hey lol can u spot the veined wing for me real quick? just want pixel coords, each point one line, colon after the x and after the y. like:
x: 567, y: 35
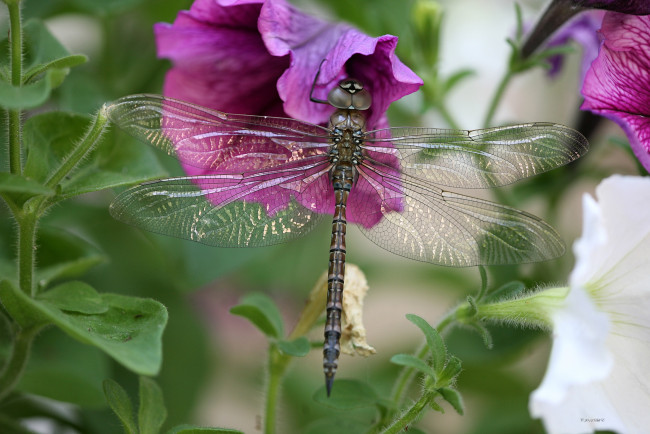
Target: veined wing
x: 478, y: 158
x: 214, y: 140
x: 450, y: 229
x: 229, y: 210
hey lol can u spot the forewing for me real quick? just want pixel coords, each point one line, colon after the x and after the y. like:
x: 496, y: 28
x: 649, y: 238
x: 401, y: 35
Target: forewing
x: 238, y: 210
x: 480, y: 158
x: 214, y: 140
x: 451, y: 229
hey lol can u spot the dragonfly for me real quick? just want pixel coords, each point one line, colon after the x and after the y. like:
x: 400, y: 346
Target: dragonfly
x: 260, y: 180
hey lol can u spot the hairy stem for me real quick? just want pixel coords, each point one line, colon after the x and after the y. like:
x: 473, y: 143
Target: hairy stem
x: 80, y: 150
x: 26, y: 247
x: 16, y: 59
x: 13, y: 369
x: 411, y: 415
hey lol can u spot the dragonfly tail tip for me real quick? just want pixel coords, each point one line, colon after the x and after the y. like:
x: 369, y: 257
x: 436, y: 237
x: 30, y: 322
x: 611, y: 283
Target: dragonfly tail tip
x: 329, y: 382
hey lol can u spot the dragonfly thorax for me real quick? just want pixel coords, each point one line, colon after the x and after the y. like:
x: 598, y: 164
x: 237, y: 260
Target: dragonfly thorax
x: 347, y: 133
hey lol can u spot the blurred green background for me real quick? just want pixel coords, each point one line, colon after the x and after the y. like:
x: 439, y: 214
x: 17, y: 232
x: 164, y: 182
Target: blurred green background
x: 214, y: 362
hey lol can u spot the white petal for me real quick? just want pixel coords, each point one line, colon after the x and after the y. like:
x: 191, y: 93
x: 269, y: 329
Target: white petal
x: 579, y: 393
x: 616, y: 230
x: 579, y: 355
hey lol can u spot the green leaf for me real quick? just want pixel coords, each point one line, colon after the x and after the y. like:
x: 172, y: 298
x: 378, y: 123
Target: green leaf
x: 63, y: 369
x: 130, y: 330
x: 75, y: 297
x: 18, y: 307
x: 451, y: 371
x: 453, y: 397
x: 41, y: 49
x: 120, y: 403
x: 298, y: 347
x: 263, y: 313
x: 29, y: 95
x: 508, y: 291
x: 152, y: 412
x: 11, y: 183
x: 454, y: 79
x: 191, y: 429
x: 434, y: 341
x: 40, y: 45
x: 64, y: 255
x: 413, y: 362
x: 116, y: 161
x: 483, y: 332
x: 49, y: 138
x: 347, y: 395
x: 61, y: 63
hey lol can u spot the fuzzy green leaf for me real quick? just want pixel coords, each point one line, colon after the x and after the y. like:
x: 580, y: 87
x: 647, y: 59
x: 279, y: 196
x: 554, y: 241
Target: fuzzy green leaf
x: 75, y: 297
x: 453, y: 397
x: 298, y: 347
x: 152, y: 412
x: 10, y: 183
x: 413, y: 362
x: 61, y: 63
x: 121, y: 405
x: 116, y: 161
x: 434, y: 342
x: 29, y: 95
x: 64, y: 255
x: 263, y: 313
x: 130, y: 330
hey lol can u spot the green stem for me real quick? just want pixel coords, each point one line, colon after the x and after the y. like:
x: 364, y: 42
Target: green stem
x: 496, y: 99
x: 278, y: 364
x: 407, y: 375
x: 17, y: 360
x: 411, y: 415
x: 26, y: 245
x: 16, y: 59
x: 80, y: 150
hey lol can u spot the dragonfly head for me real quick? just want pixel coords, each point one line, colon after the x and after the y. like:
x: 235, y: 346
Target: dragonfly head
x: 350, y: 94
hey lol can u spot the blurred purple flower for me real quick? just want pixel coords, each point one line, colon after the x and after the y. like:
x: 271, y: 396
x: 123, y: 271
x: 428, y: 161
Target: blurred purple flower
x: 582, y: 29
x: 260, y: 57
x: 559, y: 12
x: 617, y: 84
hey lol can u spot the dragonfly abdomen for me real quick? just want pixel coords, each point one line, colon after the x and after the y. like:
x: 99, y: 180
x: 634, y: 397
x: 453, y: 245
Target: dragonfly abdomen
x: 342, y: 178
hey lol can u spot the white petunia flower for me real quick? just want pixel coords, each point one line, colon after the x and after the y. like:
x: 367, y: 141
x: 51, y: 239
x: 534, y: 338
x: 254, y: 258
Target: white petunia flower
x: 598, y: 376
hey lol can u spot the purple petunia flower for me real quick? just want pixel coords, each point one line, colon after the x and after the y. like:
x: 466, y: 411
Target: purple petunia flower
x: 260, y: 57
x: 582, y: 29
x: 559, y: 12
x: 618, y: 84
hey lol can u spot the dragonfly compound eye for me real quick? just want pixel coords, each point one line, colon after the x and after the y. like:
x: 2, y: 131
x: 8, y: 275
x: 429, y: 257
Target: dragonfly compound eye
x: 350, y: 94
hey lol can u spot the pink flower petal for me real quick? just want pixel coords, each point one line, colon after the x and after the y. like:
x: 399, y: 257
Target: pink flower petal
x: 617, y: 85
x: 261, y: 57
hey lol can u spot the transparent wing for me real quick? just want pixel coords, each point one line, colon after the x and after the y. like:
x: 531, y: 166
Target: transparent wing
x: 210, y: 139
x: 479, y: 158
x: 237, y: 210
x: 432, y: 225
